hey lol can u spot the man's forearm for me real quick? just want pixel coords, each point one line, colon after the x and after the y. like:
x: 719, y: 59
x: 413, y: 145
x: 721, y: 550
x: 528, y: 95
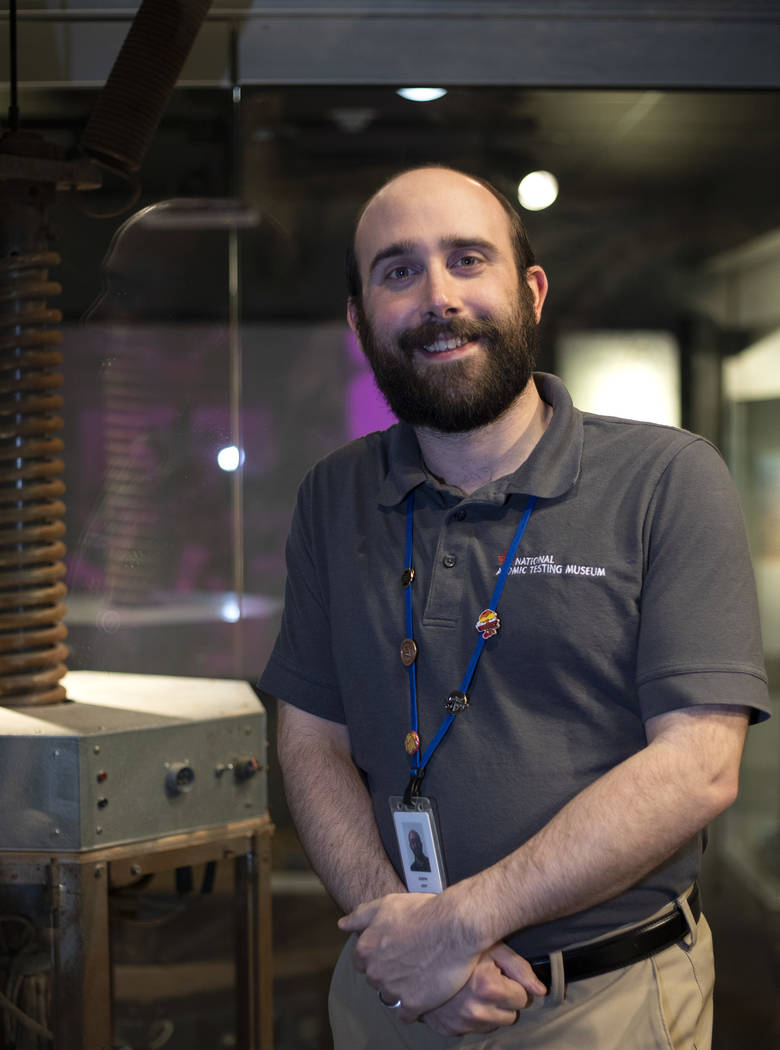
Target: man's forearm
x: 609, y: 836
x: 332, y: 810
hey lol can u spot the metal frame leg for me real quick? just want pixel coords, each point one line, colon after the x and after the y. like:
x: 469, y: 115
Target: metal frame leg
x: 81, y: 992
x: 254, y: 1006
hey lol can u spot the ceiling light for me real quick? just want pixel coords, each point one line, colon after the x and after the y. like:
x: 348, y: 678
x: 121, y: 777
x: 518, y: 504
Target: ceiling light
x: 537, y: 190
x: 421, y: 94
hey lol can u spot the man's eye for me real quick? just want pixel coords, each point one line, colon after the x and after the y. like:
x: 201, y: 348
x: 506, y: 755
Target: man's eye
x: 398, y: 273
x: 466, y: 261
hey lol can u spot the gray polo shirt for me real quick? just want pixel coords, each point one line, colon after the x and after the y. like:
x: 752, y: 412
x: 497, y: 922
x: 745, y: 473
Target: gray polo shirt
x: 631, y: 595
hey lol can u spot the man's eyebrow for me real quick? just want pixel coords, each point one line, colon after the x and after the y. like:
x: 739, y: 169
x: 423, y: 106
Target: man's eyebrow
x: 392, y: 251
x: 468, y: 242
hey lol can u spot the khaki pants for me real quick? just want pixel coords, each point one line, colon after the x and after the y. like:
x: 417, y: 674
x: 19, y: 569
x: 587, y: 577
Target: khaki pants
x: 661, y: 1003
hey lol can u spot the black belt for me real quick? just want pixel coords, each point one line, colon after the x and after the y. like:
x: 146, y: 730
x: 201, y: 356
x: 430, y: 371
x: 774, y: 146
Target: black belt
x: 624, y: 948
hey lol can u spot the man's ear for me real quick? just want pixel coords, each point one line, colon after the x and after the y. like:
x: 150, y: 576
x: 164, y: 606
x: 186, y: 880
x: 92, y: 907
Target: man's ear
x: 352, y: 317
x: 536, y: 279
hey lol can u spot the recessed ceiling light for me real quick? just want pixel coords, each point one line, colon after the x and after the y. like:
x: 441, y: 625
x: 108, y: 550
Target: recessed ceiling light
x: 538, y: 190
x: 421, y: 94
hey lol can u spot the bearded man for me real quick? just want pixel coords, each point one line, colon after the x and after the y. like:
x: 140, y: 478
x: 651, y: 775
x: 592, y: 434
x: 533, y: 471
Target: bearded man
x: 510, y: 619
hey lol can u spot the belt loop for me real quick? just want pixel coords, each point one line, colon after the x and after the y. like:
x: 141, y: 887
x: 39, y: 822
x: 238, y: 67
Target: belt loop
x: 693, y: 930
x: 556, y: 993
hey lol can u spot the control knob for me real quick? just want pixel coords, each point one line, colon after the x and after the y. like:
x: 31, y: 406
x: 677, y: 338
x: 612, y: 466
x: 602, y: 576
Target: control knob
x: 245, y: 767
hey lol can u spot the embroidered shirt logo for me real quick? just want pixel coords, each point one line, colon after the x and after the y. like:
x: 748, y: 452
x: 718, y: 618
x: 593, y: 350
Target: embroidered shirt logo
x: 547, y: 564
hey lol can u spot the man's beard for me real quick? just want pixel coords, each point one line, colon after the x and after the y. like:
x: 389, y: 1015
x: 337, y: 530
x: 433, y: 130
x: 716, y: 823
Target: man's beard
x: 461, y: 395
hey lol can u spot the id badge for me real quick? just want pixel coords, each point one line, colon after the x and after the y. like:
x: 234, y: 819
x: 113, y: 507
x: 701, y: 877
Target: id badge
x: 418, y: 844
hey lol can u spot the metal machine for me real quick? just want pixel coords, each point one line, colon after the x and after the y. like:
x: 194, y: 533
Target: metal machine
x: 134, y: 777
x: 130, y: 757
x: 106, y: 780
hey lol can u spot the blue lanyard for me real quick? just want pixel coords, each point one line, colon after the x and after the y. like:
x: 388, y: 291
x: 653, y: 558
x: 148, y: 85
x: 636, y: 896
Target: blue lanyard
x: 419, y: 762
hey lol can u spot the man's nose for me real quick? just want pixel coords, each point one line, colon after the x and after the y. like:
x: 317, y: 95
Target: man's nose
x: 442, y: 298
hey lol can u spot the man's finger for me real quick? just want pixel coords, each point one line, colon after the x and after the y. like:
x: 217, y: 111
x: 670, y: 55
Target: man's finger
x: 360, y: 918
x: 519, y: 969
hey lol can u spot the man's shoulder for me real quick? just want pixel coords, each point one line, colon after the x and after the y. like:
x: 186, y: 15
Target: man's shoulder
x: 628, y: 437
x: 354, y: 472
x: 639, y: 456
x: 369, y: 453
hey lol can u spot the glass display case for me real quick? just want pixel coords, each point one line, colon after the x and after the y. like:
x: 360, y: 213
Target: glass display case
x: 752, y: 389
x: 207, y: 365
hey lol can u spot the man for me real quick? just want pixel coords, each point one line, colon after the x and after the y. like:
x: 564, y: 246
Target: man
x: 568, y: 751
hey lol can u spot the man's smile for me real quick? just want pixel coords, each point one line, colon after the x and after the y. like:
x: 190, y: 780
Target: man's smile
x: 445, y: 343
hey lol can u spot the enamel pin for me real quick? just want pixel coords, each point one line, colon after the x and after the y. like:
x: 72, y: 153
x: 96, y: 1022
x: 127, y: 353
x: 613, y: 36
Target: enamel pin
x: 488, y: 623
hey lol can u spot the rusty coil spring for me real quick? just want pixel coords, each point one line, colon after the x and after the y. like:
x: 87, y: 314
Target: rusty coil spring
x: 32, y: 569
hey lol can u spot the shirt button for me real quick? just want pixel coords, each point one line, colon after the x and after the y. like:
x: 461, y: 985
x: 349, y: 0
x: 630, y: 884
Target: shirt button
x: 449, y: 560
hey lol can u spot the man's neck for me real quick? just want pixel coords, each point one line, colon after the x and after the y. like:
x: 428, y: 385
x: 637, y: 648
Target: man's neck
x: 470, y: 460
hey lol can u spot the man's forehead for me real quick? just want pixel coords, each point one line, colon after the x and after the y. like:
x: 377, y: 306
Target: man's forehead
x: 425, y: 202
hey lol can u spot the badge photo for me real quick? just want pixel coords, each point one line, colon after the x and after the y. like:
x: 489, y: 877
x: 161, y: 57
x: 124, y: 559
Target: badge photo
x: 418, y: 844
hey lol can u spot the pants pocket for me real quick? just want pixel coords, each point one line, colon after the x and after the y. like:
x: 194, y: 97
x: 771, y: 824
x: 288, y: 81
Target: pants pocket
x: 685, y: 976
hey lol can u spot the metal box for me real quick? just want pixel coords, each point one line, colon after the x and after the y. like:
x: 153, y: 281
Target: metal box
x: 130, y: 757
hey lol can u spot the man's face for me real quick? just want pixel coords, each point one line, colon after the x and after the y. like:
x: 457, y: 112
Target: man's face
x: 448, y: 328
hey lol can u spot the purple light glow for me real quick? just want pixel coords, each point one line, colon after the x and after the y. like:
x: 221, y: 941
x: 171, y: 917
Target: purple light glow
x: 367, y: 410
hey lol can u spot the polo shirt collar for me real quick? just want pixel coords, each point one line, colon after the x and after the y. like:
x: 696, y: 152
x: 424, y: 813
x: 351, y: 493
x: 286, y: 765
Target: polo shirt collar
x: 550, y: 471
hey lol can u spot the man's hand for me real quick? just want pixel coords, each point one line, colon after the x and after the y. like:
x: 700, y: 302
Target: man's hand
x: 409, y: 951
x: 414, y: 949
x: 501, y: 984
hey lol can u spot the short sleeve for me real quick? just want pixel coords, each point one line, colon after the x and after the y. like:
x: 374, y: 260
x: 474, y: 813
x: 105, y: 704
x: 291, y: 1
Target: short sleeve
x: 699, y: 636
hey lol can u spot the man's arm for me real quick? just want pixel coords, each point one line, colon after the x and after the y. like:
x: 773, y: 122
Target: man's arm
x: 335, y: 820
x: 604, y: 840
x: 332, y: 809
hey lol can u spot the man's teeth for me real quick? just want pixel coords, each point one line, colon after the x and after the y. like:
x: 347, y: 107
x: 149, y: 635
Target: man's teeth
x: 444, y: 344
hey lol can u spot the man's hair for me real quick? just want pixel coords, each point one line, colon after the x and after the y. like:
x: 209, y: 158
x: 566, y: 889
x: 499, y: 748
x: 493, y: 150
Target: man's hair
x: 524, y: 255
